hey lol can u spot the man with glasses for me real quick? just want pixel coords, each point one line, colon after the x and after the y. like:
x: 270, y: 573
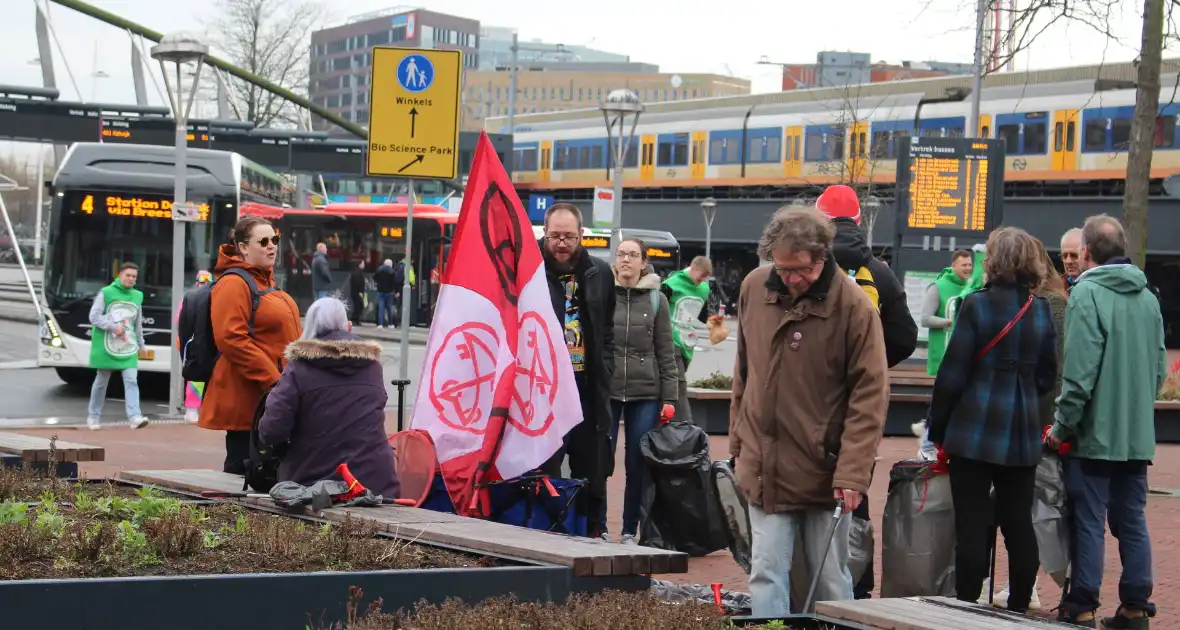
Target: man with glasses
x: 1071, y: 256
x: 582, y: 289
x: 810, y: 392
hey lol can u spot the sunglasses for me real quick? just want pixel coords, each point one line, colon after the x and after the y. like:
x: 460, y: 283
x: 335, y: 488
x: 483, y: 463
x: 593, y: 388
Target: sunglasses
x: 267, y: 240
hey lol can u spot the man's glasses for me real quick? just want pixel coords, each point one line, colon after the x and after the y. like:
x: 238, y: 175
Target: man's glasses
x: 799, y: 271
x: 563, y: 238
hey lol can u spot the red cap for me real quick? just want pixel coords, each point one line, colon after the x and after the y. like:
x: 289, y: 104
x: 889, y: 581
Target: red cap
x: 839, y: 202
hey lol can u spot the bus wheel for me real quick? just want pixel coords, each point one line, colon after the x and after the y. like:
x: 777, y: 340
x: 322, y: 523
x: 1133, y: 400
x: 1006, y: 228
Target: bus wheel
x: 75, y: 377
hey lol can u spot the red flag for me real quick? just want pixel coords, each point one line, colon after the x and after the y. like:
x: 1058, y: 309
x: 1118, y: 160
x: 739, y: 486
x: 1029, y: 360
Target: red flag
x: 497, y: 391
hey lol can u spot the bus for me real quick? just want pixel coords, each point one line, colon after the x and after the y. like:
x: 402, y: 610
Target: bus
x: 356, y: 232
x: 663, y: 250
x: 111, y: 203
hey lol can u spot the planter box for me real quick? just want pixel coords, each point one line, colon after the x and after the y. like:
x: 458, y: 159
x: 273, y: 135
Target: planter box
x: 1167, y: 421
x: 257, y: 601
x: 802, y: 622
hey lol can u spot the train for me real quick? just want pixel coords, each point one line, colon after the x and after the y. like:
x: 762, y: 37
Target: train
x: 1064, y: 130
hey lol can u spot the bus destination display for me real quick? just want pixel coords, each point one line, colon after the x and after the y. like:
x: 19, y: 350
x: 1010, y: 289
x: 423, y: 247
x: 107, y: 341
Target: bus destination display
x: 142, y: 206
x: 951, y: 184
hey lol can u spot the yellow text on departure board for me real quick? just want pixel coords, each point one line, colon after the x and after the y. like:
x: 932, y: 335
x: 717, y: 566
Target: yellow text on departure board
x: 948, y: 193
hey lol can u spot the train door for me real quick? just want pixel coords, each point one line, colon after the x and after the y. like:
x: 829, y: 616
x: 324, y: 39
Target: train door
x: 985, y: 125
x: 1065, y: 134
x: 546, y: 164
x: 698, y: 155
x: 793, y: 156
x: 647, y: 158
x: 858, y: 137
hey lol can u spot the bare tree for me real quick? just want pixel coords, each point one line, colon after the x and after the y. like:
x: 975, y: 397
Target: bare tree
x: 270, y: 39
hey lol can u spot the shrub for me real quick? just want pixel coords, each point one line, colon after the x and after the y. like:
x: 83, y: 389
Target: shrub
x: 716, y: 380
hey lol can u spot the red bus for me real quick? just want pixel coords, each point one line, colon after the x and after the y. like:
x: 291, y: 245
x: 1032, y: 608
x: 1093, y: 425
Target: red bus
x: 356, y: 232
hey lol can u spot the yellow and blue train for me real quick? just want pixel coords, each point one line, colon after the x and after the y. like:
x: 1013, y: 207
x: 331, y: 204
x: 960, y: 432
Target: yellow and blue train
x: 1053, y: 131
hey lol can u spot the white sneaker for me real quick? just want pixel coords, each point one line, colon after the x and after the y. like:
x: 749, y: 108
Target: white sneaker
x: 191, y: 415
x: 628, y: 539
x: 604, y: 536
x: 93, y: 423
x: 1001, y: 598
x: 918, y: 428
x: 930, y: 455
x: 138, y: 422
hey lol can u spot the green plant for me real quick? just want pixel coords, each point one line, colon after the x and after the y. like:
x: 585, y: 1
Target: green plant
x: 1171, y: 388
x: 12, y: 513
x: 716, y: 380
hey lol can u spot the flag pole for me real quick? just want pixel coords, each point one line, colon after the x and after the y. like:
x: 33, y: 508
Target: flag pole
x: 406, y: 288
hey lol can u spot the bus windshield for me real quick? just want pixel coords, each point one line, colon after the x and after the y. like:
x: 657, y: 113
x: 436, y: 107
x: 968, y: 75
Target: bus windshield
x: 96, y: 231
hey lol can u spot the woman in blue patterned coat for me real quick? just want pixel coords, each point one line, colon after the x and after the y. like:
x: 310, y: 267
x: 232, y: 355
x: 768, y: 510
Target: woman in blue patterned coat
x: 985, y: 412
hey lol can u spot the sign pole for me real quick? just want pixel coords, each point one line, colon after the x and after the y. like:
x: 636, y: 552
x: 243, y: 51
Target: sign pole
x: 407, y: 302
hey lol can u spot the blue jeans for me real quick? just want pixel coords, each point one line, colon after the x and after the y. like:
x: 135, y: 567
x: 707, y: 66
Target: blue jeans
x: 98, y: 392
x: 639, y: 417
x: 386, y: 310
x: 1101, y: 490
x: 772, y: 554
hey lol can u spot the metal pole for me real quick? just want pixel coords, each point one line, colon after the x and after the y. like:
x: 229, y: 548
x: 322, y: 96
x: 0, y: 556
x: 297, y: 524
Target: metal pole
x: 512, y: 88
x: 708, y: 235
x: 179, y: 194
x: 622, y: 144
x: 40, y: 202
x: 20, y: 259
x: 406, y: 301
x: 977, y: 78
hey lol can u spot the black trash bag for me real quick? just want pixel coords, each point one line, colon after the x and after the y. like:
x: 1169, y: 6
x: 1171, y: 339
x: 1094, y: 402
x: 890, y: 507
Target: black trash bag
x: 734, y: 512
x: 732, y: 602
x: 918, y: 532
x: 677, y: 511
x: 290, y: 495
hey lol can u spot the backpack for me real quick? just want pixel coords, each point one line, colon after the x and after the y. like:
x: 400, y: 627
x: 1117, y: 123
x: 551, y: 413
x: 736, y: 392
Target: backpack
x: 262, y: 469
x: 199, y: 350
x: 864, y: 278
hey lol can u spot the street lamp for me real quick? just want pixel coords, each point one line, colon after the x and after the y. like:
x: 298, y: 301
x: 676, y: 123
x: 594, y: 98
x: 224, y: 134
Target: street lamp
x: 615, y: 109
x: 709, y: 209
x: 178, y: 49
x: 872, y: 206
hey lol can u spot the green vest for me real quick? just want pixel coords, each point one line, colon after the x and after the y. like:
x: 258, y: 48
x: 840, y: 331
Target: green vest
x: 949, y: 286
x: 687, y: 301
x: 108, y: 352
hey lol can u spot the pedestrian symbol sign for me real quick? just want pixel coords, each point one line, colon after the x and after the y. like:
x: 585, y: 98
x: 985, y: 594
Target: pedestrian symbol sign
x: 414, y: 121
x: 415, y: 73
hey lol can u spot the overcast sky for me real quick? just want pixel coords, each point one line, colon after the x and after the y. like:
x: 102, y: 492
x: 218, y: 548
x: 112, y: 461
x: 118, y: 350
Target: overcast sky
x: 678, y: 35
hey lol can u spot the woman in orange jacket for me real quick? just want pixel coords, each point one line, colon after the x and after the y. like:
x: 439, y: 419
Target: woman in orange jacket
x: 250, y: 364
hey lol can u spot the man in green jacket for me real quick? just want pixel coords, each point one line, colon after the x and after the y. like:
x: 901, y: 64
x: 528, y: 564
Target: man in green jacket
x: 951, y: 283
x: 116, y: 341
x: 688, y: 295
x: 1115, y: 363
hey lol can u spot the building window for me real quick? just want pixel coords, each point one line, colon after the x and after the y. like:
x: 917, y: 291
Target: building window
x: 333, y: 101
x: 397, y: 34
x: 337, y: 46
x: 341, y: 63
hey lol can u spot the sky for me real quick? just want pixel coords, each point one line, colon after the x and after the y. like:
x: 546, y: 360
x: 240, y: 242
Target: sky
x: 678, y: 35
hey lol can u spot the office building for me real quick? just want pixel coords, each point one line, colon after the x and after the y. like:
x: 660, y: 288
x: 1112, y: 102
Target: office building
x: 833, y: 69
x: 495, y: 51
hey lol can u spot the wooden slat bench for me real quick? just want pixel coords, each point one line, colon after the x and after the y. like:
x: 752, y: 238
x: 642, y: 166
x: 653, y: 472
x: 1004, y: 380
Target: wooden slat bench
x: 36, y: 449
x: 587, y: 558
x: 927, y: 613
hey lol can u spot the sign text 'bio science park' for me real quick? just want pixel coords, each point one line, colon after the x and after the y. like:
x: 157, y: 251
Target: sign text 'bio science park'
x: 414, y: 119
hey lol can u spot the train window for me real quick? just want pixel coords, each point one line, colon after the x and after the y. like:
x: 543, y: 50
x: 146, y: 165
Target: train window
x: 985, y: 132
x: 814, y: 151
x: 836, y: 146
x: 632, y: 157
x: 880, y: 149
x: 1120, y: 133
x: 665, y: 156
x: 1070, y: 131
x: 1010, y: 134
x: 774, y: 149
x: 596, y: 160
x: 1096, y: 134
x: 583, y: 156
x: 1057, y: 137
x: 1165, y: 132
x: 1035, y: 140
x: 716, y: 150
x: 680, y: 150
x: 733, y: 152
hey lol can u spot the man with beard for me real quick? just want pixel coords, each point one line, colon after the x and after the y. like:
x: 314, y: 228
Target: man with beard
x: 852, y: 253
x: 582, y: 288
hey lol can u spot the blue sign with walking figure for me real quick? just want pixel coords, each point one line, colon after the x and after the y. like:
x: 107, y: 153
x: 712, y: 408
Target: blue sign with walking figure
x: 415, y: 73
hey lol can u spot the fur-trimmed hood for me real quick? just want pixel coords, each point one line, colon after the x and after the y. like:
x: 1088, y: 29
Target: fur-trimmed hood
x: 339, y: 352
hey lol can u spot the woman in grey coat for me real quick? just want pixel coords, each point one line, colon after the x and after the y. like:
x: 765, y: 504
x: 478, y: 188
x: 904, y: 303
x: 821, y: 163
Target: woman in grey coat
x: 644, y: 387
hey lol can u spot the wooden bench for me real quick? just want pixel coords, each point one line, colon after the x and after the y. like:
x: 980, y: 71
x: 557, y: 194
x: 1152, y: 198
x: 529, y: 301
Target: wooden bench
x: 36, y: 449
x: 586, y: 557
x: 927, y: 613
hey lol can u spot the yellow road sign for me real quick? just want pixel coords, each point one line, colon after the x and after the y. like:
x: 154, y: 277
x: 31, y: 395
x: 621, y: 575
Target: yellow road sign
x: 414, y: 113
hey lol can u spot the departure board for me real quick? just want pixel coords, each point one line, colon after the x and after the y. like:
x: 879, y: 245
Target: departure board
x: 950, y: 185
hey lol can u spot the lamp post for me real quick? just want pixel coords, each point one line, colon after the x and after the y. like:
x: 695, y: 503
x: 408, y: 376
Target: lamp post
x: 709, y: 209
x: 178, y: 49
x: 618, y: 105
x: 872, y: 206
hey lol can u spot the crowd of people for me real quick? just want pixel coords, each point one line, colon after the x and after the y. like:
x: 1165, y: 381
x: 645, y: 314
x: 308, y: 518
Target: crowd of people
x: 1025, y: 358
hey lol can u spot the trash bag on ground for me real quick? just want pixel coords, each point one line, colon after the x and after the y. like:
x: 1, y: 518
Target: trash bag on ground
x: 677, y: 512
x: 1050, y: 517
x: 732, y: 602
x: 320, y: 495
x: 918, y: 532
x: 734, y: 512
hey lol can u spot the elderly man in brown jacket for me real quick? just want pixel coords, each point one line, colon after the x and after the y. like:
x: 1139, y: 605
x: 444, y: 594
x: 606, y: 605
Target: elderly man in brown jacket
x: 810, y: 391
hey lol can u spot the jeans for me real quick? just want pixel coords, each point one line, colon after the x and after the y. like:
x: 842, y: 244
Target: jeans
x: 773, y: 550
x: 98, y: 392
x: 386, y: 311
x: 971, y: 485
x: 924, y: 443
x: 639, y: 417
x: 1101, y: 490
x: 319, y: 295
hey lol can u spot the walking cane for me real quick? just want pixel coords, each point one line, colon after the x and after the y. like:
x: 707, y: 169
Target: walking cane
x: 839, y: 512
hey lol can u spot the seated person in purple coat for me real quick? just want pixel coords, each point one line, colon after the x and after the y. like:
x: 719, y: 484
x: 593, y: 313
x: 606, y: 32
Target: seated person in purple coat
x: 329, y: 405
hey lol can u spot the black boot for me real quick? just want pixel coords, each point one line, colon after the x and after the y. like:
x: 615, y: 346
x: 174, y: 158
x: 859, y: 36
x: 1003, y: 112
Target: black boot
x: 1130, y: 619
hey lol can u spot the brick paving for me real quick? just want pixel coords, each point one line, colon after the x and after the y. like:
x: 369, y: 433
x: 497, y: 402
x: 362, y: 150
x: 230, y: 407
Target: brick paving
x: 191, y: 447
